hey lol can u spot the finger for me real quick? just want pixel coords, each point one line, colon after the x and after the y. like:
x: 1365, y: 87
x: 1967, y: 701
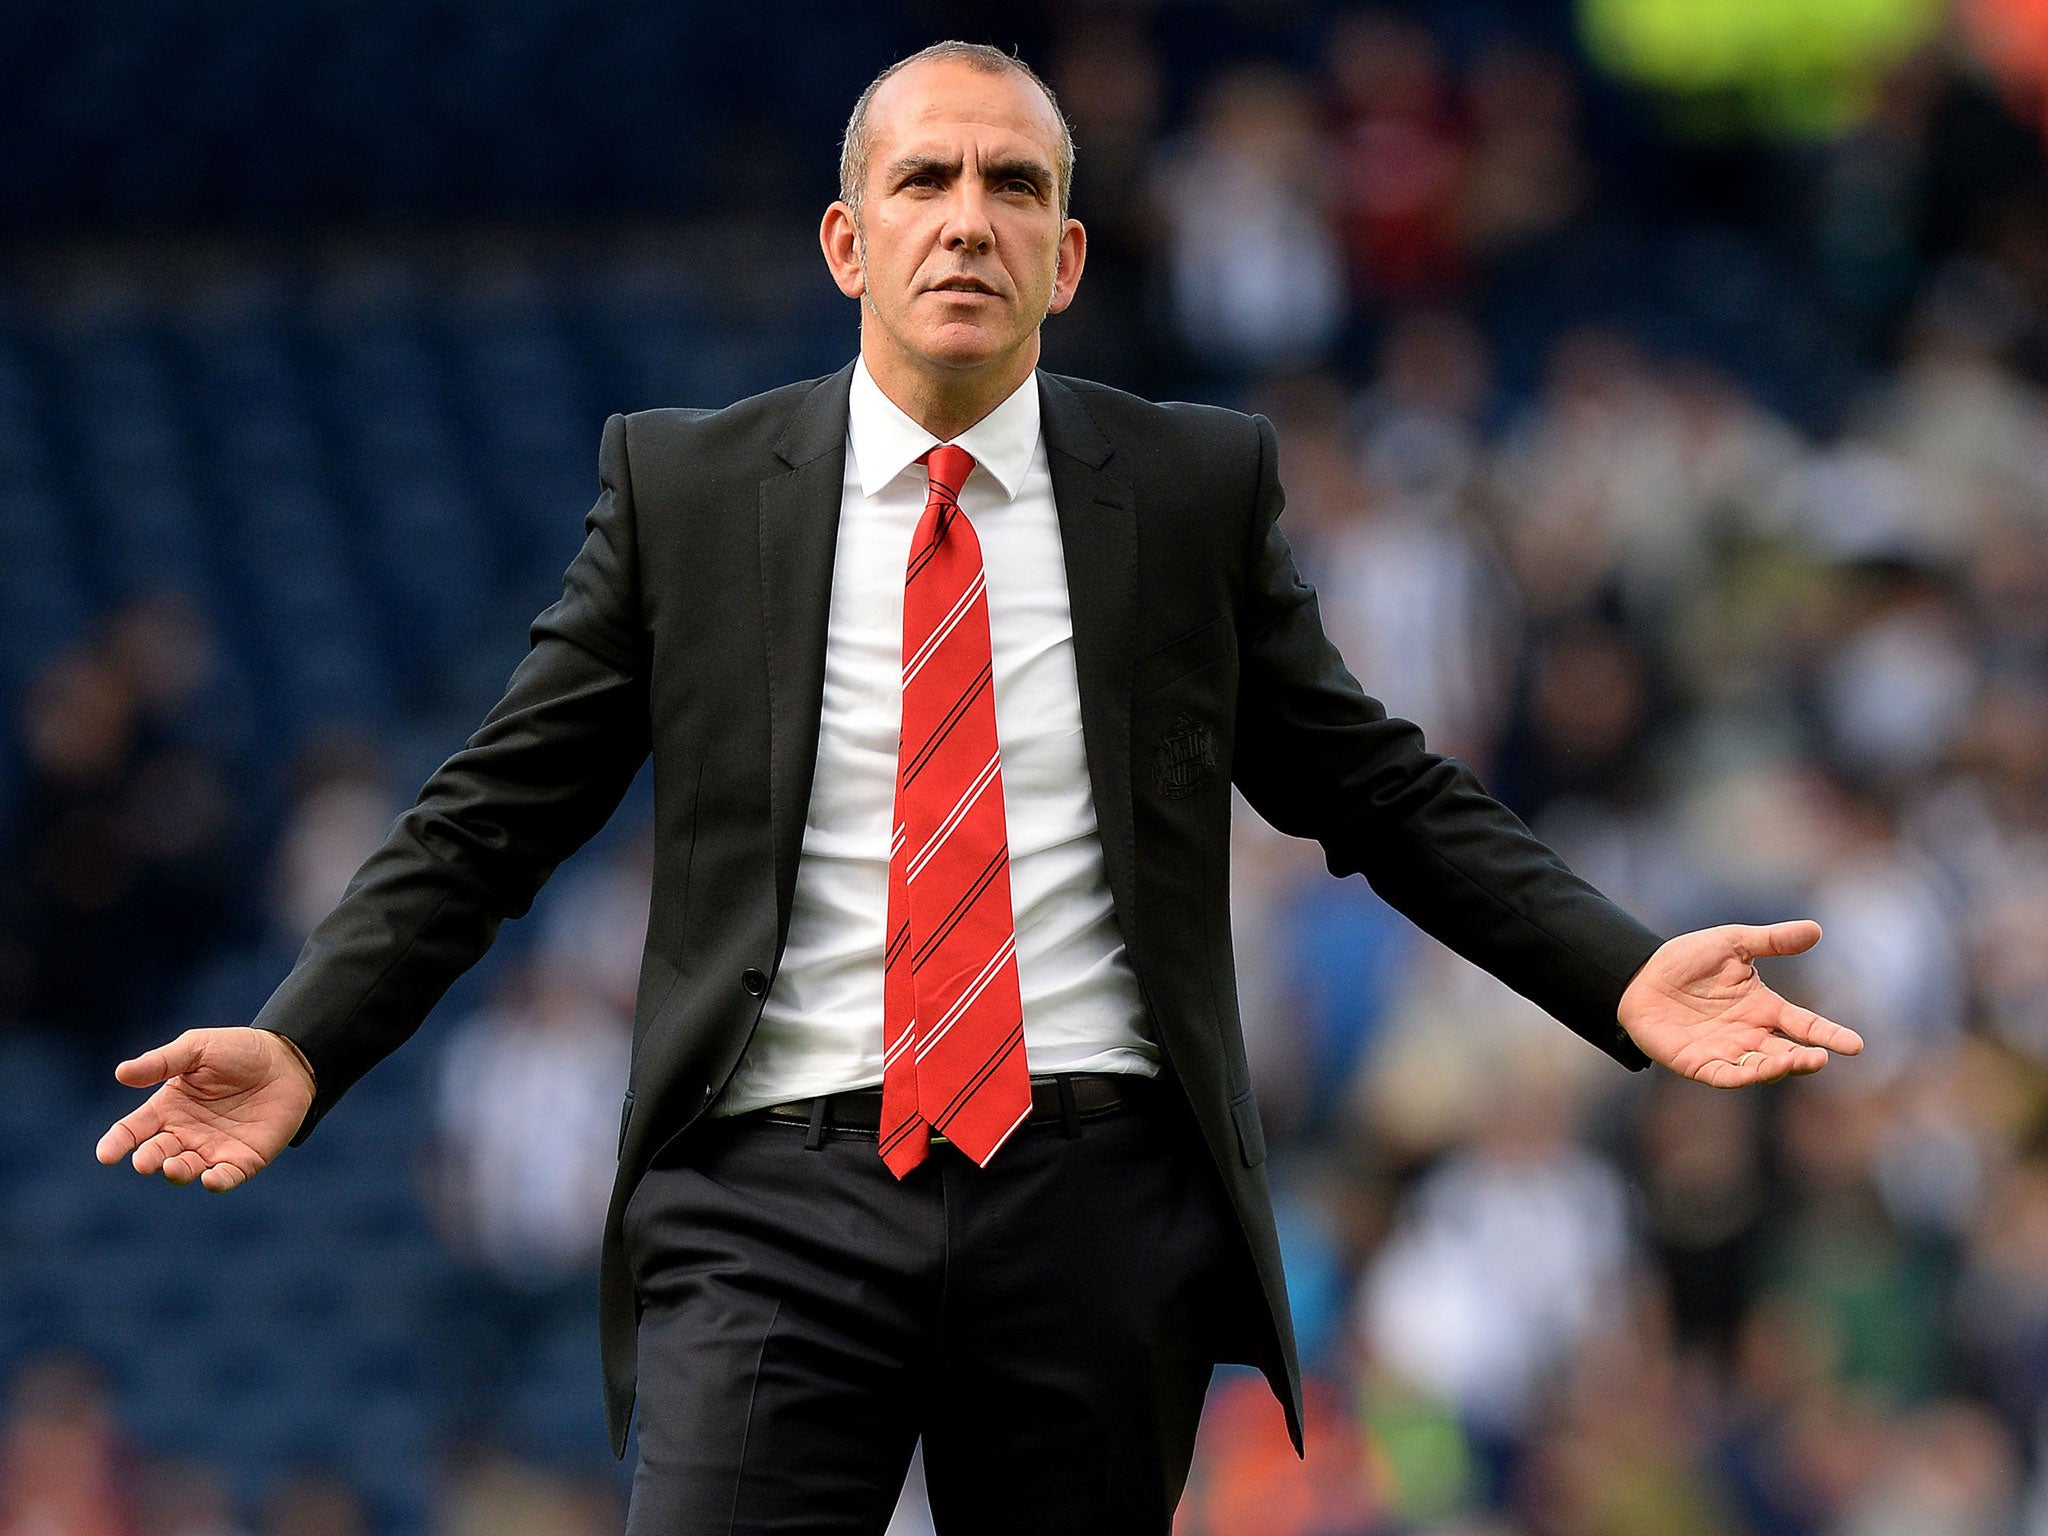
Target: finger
x: 166, y: 1061
x: 156, y: 1151
x: 1776, y: 1058
x: 1789, y: 938
x: 1784, y: 1059
x: 1808, y: 1027
x: 222, y: 1176
x: 128, y: 1133
x: 119, y: 1141
x: 184, y: 1167
x: 1743, y: 1072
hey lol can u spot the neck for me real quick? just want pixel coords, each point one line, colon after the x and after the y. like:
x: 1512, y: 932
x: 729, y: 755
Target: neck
x: 946, y: 402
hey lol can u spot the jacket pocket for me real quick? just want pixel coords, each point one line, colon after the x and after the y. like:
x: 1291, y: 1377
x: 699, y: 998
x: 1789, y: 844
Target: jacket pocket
x: 1177, y: 658
x: 1251, y: 1136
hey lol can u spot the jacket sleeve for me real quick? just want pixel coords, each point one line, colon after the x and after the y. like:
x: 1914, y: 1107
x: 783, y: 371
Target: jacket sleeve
x: 544, y: 771
x: 1318, y: 758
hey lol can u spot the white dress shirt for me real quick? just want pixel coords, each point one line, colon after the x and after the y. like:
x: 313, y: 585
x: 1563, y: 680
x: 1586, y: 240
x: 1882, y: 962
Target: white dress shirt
x: 821, y: 1023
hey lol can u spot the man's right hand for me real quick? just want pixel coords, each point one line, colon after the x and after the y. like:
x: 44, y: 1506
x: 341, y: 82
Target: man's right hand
x: 231, y: 1100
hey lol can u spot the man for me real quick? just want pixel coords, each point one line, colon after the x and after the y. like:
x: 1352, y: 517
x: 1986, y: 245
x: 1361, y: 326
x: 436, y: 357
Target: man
x: 947, y: 668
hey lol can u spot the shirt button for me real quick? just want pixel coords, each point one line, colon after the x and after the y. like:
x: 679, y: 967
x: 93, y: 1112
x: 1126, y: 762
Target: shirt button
x: 754, y: 981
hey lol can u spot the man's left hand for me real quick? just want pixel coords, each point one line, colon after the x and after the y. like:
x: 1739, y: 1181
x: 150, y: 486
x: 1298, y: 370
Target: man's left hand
x: 1699, y: 1007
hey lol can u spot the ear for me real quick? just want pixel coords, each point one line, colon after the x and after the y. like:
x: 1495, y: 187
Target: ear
x: 1066, y: 275
x: 841, y: 242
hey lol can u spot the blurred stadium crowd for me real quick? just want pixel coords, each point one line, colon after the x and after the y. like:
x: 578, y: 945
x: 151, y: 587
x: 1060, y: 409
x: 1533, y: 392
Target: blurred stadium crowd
x: 1663, y: 423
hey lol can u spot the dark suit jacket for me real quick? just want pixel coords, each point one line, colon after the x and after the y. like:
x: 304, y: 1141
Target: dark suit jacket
x: 692, y: 625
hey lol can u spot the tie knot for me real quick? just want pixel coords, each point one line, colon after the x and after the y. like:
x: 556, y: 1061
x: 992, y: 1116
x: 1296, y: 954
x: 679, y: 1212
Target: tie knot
x: 947, y: 466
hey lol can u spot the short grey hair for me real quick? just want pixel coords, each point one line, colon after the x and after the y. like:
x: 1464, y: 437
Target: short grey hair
x: 854, y: 148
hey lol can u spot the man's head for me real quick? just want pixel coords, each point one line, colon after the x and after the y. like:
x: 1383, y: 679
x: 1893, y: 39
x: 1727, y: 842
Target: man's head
x: 951, y: 225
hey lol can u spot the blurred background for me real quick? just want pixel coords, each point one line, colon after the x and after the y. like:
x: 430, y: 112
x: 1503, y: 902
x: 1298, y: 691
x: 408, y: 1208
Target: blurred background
x: 1660, y: 391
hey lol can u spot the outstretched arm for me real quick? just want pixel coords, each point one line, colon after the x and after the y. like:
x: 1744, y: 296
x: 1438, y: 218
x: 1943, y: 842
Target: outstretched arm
x: 1699, y: 1008
x: 549, y: 764
x: 1319, y: 758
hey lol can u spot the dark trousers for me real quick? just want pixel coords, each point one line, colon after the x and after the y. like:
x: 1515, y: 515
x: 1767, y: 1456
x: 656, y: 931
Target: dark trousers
x: 1047, y: 1324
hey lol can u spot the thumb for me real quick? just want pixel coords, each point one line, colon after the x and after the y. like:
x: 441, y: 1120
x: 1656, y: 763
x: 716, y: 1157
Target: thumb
x: 1789, y: 938
x: 166, y: 1061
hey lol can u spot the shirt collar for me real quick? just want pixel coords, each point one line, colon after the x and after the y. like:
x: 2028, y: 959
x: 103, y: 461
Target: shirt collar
x: 885, y: 442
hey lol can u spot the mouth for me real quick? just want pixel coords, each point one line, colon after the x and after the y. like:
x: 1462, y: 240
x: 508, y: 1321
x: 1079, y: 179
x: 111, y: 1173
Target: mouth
x: 964, y: 285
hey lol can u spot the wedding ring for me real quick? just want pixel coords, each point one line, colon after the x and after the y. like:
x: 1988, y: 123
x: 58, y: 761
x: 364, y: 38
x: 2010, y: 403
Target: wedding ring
x: 1744, y: 1061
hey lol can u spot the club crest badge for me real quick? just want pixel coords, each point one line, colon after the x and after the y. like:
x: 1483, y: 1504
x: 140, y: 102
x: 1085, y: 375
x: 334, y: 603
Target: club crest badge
x: 1186, y: 758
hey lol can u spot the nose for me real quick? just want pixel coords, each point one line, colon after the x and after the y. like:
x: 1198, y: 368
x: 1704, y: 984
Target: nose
x: 967, y: 225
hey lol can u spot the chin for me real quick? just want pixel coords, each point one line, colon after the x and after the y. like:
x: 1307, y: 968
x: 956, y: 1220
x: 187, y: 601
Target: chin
x: 966, y: 347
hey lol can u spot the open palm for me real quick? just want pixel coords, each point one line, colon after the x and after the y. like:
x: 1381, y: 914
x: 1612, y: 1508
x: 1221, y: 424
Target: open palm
x: 1699, y: 1008
x: 231, y: 1100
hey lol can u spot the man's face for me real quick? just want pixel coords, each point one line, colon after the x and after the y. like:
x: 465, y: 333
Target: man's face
x: 959, y: 250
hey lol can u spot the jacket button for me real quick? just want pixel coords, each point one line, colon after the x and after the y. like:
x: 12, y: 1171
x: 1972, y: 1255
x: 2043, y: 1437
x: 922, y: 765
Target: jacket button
x: 755, y: 983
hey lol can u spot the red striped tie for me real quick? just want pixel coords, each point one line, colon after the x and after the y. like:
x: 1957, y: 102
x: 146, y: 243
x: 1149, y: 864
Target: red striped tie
x: 953, y: 1020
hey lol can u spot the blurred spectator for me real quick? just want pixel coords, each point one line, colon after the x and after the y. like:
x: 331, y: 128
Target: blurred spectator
x: 66, y: 1469
x: 1897, y: 685
x: 1247, y: 1477
x: 2012, y: 36
x: 594, y: 921
x: 1870, y: 1294
x: 1699, y: 1165
x: 1415, y: 601
x: 2007, y: 587
x: 166, y: 650
x: 1451, y: 1041
x: 526, y: 1140
x: 1611, y: 482
x: 1622, y: 1452
x: 185, y: 1498
x: 1527, y: 178
x: 1333, y: 1211
x: 1950, y: 1470
x: 1420, y: 418
x: 1796, y: 1444
x: 2001, y: 1306
x: 1257, y: 281
x: 1586, y: 722
x: 1400, y: 162
x: 1865, y: 211
x: 498, y: 1496
x: 1952, y: 1127
x: 1974, y: 431
x: 340, y: 813
x: 123, y: 867
x: 73, y: 868
x: 314, y: 1504
x: 1112, y: 90
x: 529, y: 1110
x: 1895, y: 957
x: 1502, y: 1259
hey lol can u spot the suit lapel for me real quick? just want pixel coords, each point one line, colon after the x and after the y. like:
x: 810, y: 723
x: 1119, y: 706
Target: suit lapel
x: 799, y: 534
x: 1099, y: 538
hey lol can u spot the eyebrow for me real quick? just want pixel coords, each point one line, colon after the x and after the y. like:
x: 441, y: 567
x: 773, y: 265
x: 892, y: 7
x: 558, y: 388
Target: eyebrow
x: 1008, y: 169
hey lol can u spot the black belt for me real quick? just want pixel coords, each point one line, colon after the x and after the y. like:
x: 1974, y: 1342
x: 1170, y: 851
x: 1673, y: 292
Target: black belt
x: 1070, y: 1097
